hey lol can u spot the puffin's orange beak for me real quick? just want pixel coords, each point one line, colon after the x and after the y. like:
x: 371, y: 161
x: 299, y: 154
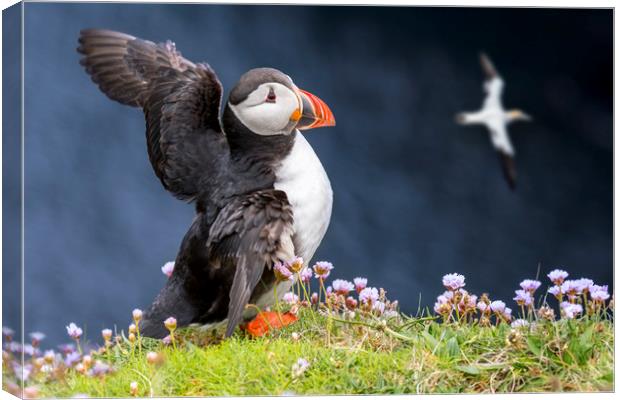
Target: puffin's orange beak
x: 315, y: 112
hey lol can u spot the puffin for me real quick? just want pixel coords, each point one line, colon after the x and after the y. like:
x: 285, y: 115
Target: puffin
x: 260, y: 192
x: 496, y: 119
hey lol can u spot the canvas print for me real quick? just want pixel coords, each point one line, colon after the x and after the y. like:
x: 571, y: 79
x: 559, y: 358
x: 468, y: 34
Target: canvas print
x: 228, y: 200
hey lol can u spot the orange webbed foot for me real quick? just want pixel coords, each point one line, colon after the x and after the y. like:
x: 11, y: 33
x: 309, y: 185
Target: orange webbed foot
x: 269, y: 320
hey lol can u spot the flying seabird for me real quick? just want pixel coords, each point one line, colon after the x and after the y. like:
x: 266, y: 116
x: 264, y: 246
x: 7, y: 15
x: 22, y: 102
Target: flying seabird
x: 260, y: 192
x: 496, y: 119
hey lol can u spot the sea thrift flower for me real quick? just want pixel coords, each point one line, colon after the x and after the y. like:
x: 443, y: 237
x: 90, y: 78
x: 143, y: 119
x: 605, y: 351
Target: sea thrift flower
x: 529, y: 285
x: 342, y: 287
x: 137, y: 315
x: 300, y: 367
x: 483, y: 307
x: 74, y: 331
x: 442, y: 305
x: 8, y: 333
x: 132, y: 328
x: 167, y: 340
x: 523, y: 297
x: 296, y: 264
x: 507, y: 314
x: 133, y: 388
x: 305, y: 275
x: 599, y: 295
x: 556, y: 291
x: 170, y: 323
x: 369, y: 295
x: 290, y: 298
x: 131, y: 337
x: 498, y: 306
x: 106, y: 334
x: 36, y: 338
x: 570, y: 310
x: 584, y: 284
x: 597, y: 288
x: 519, y: 323
x: 557, y: 276
x: 168, y: 268
x: 453, y: 281
x: 314, y: 298
x: 351, y: 303
x: 282, y: 273
x: 329, y: 290
x: 360, y: 284
x: 322, y: 269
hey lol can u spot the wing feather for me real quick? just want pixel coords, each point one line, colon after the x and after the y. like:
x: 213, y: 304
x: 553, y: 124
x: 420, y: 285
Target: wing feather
x: 250, y: 233
x: 181, y: 101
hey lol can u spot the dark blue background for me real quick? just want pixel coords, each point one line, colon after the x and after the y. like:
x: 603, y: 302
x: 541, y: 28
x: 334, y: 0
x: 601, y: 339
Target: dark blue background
x: 415, y: 195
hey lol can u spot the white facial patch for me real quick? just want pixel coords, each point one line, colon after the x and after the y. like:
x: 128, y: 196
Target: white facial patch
x: 264, y: 117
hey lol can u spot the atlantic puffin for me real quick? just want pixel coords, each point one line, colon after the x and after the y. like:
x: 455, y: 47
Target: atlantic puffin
x: 496, y: 119
x: 260, y: 192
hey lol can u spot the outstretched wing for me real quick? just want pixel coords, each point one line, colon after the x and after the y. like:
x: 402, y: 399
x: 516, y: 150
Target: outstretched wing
x: 252, y: 232
x: 508, y: 168
x: 493, y: 84
x: 503, y: 146
x: 181, y: 101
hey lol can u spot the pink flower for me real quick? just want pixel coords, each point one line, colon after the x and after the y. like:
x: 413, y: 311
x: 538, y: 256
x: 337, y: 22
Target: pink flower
x: 74, y: 331
x: 305, y: 275
x: 351, y: 303
x: 523, y: 298
x: 530, y: 285
x: 369, y: 295
x: 570, y: 310
x: 282, y: 272
x: 557, y: 276
x: 296, y: 264
x: 290, y: 298
x: 342, y: 287
x: 314, y: 298
x: 360, y: 284
x: 322, y: 269
x: 168, y: 268
x: 498, y: 306
x: 453, y: 281
x: 556, y: 291
x: 482, y: 306
x: 170, y: 323
x: 599, y: 295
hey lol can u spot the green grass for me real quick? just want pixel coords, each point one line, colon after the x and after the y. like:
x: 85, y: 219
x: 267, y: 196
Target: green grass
x: 408, y: 355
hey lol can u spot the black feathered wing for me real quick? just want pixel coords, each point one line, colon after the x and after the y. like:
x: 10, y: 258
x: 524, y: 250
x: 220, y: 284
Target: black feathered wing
x: 252, y: 232
x: 181, y: 101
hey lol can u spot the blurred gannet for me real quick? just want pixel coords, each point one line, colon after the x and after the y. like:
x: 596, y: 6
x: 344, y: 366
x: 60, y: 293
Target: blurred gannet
x: 496, y: 119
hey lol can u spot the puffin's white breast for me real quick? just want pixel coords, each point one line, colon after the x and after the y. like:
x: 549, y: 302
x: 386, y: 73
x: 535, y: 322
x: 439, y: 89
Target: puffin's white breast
x: 302, y: 177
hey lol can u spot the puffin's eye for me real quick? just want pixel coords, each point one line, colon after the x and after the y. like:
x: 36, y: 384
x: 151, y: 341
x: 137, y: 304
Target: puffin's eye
x: 271, y: 97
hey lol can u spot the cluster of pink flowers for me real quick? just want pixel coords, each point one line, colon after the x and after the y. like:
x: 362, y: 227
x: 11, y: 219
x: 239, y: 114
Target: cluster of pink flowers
x: 337, y: 297
x: 457, y: 304
x: 582, y: 295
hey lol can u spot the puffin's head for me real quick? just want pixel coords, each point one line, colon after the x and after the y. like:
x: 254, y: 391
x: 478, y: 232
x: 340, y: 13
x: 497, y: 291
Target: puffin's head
x: 267, y: 102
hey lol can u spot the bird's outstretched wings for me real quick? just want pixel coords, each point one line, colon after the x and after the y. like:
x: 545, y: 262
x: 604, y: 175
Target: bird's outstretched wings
x: 251, y: 232
x: 493, y: 84
x: 180, y: 99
